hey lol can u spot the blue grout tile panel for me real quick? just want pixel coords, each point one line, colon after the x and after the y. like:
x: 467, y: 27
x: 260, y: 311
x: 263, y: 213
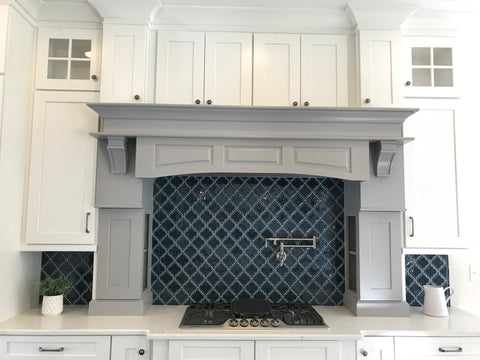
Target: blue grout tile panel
x: 76, y: 267
x: 208, y: 239
x: 424, y: 270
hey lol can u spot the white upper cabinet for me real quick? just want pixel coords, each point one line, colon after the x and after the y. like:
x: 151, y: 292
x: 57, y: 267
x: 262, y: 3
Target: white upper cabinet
x: 276, y: 70
x: 228, y: 69
x: 180, y: 67
x: 126, y: 65
x: 60, y: 213
x: 430, y: 67
x: 68, y: 59
x: 431, y: 196
x: 300, y: 70
x: 199, y: 68
x: 324, y: 70
x: 379, y: 66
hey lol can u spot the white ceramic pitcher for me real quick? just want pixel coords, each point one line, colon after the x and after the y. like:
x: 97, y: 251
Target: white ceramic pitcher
x: 435, y: 302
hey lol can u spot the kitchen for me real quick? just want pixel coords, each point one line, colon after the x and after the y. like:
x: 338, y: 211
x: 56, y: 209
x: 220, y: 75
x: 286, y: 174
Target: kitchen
x: 15, y: 133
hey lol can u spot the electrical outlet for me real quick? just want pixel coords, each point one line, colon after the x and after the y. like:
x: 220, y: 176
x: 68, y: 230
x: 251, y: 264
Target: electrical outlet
x: 474, y: 273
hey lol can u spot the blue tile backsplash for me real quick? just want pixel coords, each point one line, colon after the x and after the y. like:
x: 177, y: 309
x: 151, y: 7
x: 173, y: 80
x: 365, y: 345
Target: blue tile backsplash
x: 208, y: 239
x: 424, y: 270
x: 208, y: 244
x: 77, y: 267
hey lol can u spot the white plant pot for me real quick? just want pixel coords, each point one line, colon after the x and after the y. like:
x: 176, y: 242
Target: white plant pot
x: 52, y: 305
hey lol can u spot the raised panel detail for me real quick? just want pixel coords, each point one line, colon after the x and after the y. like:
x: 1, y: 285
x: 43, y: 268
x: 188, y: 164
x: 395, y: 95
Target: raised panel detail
x: 120, y: 246
x: 253, y: 155
x: 380, y: 255
x: 183, y: 154
x: 380, y: 237
x: 331, y: 158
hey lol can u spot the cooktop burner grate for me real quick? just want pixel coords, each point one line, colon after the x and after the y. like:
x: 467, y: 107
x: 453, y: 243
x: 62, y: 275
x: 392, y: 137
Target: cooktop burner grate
x: 252, y: 313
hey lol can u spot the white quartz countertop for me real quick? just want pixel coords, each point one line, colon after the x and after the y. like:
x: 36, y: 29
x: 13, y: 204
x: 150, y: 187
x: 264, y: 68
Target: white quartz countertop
x: 162, y: 322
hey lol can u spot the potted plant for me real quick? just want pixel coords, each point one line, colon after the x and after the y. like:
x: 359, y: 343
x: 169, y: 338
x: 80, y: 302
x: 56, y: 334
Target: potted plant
x: 52, y: 290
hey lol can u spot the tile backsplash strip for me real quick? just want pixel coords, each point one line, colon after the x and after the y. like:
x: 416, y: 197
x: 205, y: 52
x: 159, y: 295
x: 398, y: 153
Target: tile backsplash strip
x: 208, y: 239
x: 208, y: 244
x: 76, y: 267
x: 424, y: 270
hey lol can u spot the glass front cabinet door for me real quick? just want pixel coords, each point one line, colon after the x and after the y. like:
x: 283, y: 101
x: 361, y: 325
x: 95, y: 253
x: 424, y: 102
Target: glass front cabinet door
x: 68, y: 59
x: 430, y: 67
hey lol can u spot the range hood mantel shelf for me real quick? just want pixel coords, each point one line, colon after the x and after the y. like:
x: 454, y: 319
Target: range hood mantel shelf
x: 216, y: 129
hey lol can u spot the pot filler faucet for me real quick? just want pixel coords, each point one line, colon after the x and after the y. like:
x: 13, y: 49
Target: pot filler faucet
x: 291, y: 242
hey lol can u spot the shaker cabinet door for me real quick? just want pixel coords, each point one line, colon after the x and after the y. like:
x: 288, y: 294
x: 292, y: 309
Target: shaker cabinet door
x: 208, y: 350
x: 180, y: 67
x: 293, y: 350
x: 379, y: 63
x: 228, y: 69
x: 124, y: 64
x: 431, y: 194
x: 62, y: 172
x: 324, y: 70
x: 276, y: 70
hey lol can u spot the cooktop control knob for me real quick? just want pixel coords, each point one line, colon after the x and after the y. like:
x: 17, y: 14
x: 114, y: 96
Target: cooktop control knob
x: 244, y: 323
x: 233, y: 322
x: 254, y: 322
x: 264, y: 323
x: 275, y: 323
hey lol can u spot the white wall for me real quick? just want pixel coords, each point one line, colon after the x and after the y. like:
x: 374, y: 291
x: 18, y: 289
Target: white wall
x: 467, y: 294
x: 18, y: 270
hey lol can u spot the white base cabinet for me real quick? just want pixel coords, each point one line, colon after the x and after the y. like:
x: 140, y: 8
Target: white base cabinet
x: 292, y: 350
x: 210, y: 350
x: 130, y: 348
x: 55, y: 347
x: 252, y: 350
x: 433, y: 348
x: 375, y: 348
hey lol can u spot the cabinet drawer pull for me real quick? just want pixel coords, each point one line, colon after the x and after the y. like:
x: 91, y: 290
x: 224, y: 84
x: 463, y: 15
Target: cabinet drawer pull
x: 137, y: 97
x: 42, y: 349
x: 141, y: 352
x: 412, y: 228
x: 367, y: 101
x: 306, y: 103
x: 94, y: 77
x: 454, y: 349
x: 87, y: 215
x: 364, y: 352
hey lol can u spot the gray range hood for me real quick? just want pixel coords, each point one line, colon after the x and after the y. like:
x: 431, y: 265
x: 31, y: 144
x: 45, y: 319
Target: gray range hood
x: 363, y: 146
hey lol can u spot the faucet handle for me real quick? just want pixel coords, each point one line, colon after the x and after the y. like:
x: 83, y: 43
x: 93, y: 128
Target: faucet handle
x: 281, y: 254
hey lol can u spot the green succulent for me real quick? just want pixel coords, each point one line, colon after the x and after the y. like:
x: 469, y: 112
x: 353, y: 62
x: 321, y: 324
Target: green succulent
x: 53, y: 286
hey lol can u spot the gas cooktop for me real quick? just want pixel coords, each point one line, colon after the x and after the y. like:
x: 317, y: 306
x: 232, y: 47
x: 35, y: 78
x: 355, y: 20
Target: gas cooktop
x: 252, y: 313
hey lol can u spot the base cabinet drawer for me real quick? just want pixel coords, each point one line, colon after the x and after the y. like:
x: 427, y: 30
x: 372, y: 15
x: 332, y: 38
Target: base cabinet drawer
x: 55, y: 347
x: 441, y: 348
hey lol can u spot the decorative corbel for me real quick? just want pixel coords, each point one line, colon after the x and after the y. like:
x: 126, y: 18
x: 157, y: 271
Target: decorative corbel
x: 383, y: 153
x: 117, y: 154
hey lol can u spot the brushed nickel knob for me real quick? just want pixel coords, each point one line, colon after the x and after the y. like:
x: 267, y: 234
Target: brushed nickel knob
x: 94, y: 77
x: 137, y: 97
x: 367, y: 101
